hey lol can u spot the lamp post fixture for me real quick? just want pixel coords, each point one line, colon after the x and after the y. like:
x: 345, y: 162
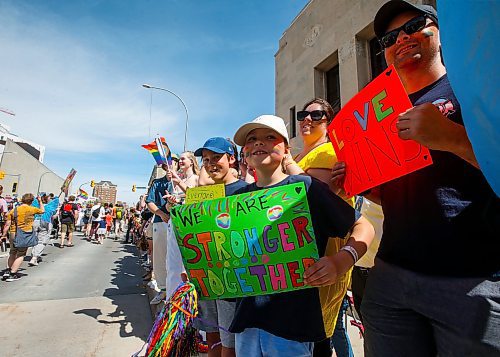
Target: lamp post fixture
x: 183, y: 104
x: 40, y: 181
x: 79, y: 188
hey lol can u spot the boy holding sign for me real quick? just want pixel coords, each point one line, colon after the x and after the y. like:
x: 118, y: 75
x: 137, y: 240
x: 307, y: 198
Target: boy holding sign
x: 288, y: 323
x: 218, y: 157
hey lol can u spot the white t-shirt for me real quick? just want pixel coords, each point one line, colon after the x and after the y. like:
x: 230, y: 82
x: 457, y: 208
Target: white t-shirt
x: 374, y: 214
x: 102, y: 213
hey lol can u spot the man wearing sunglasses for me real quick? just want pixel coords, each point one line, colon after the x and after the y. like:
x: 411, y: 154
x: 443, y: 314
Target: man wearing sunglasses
x: 435, y: 287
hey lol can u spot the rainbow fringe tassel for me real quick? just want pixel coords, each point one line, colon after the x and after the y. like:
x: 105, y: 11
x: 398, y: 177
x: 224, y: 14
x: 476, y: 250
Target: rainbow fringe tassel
x: 173, y: 334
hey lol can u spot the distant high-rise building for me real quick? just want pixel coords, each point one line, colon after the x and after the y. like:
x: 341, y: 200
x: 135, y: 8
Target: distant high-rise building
x: 105, y: 191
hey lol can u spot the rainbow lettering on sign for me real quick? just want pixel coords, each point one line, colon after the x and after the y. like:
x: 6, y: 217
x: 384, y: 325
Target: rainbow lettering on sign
x: 250, y: 244
x: 365, y: 137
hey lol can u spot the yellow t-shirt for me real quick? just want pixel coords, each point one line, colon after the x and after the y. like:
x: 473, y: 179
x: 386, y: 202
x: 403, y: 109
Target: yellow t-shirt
x: 25, y: 218
x: 331, y: 296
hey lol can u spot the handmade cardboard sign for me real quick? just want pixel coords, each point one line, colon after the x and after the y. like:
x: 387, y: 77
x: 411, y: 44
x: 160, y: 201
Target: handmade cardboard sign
x: 68, y: 180
x: 365, y: 137
x: 255, y: 243
x: 204, y: 193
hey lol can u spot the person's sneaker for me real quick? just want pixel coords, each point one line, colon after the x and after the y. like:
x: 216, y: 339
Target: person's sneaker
x: 158, y: 298
x: 13, y: 277
x: 6, y: 274
x: 153, y: 285
x: 33, y: 262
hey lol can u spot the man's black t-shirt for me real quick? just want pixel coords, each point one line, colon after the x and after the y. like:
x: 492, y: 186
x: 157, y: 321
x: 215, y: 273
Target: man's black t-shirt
x: 67, y: 210
x: 297, y: 315
x: 443, y: 219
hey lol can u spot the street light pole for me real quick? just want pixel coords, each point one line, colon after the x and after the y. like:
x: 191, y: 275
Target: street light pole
x: 183, y: 104
x: 82, y: 185
x: 40, y: 181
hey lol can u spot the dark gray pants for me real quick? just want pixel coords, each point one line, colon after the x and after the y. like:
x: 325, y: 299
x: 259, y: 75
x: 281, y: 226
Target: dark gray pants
x: 409, y: 314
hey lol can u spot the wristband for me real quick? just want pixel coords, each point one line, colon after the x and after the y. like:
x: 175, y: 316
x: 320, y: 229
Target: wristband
x: 351, y: 251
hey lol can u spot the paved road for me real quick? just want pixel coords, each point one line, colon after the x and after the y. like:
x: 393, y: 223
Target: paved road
x: 86, y: 300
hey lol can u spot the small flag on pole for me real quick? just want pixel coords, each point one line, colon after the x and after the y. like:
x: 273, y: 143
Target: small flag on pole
x: 164, y: 150
x: 153, y: 150
x: 160, y: 151
x: 83, y: 194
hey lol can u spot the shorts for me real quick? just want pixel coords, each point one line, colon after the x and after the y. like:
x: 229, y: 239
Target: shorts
x: 108, y: 228
x: 216, y: 316
x: 67, y: 227
x: 18, y: 252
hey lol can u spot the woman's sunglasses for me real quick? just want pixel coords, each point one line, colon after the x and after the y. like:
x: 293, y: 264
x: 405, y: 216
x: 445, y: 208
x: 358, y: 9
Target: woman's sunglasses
x: 316, y: 115
x: 414, y: 25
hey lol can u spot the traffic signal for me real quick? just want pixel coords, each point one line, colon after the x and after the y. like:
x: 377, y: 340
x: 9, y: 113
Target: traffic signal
x: 133, y: 188
x: 92, y: 183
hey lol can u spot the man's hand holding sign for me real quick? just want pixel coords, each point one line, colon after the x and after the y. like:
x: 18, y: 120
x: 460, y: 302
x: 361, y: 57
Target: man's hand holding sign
x: 366, y: 136
x: 427, y: 125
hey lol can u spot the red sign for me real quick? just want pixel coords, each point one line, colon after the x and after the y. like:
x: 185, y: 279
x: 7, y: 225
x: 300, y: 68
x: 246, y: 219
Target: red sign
x: 365, y: 137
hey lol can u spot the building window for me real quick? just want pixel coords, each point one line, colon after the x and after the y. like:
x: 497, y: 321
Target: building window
x: 333, y: 88
x: 377, y: 59
x: 293, y: 123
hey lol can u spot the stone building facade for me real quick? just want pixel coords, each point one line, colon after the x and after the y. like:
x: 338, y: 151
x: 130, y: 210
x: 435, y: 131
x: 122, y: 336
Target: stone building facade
x: 21, y: 172
x: 329, y: 51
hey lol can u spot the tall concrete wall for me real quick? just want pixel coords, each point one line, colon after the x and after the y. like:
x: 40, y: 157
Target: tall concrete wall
x: 23, y: 169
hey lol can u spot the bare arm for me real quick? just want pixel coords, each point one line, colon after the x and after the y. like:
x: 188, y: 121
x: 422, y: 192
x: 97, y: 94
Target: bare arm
x: 6, y: 227
x: 42, y: 207
x: 327, y: 269
x: 154, y: 209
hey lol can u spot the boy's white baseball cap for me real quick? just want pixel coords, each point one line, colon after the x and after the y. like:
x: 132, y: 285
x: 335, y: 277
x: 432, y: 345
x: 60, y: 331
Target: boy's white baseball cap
x: 263, y: 122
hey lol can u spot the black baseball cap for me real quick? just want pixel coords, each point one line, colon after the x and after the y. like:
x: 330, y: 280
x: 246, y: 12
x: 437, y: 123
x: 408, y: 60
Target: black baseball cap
x: 391, y: 9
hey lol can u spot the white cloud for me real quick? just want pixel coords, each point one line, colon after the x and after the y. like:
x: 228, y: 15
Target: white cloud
x: 63, y: 89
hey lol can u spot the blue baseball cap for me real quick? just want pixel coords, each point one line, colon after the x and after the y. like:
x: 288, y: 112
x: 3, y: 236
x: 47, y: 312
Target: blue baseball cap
x: 218, y: 145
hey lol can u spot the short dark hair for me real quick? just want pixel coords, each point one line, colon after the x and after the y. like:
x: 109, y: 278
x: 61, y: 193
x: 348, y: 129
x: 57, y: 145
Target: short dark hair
x: 330, y: 113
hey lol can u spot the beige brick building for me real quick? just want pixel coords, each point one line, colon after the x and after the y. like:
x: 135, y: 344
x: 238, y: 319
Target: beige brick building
x: 105, y: 191
x: 329, y: 51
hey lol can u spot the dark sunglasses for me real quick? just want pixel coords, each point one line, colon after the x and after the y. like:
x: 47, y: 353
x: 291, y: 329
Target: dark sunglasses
x: 414, y: 25
x: 316, y: 115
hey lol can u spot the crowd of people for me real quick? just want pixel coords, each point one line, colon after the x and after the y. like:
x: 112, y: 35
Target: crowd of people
x: 426, y: 284
x: 420, y: 289
x: 48, y: 218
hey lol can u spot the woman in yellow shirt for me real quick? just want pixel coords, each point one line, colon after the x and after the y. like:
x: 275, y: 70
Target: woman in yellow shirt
x: 317, y: 159
x: 24, y: 221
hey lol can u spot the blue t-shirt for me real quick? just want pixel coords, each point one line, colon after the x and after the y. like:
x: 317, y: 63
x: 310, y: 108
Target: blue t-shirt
x: 443, y: 219
x: 50, y: 209
x: 235, y: 186
x: 297, y: 315
x: 158, y: 189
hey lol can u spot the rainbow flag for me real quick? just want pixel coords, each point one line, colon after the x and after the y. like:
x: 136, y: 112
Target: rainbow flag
x: 160, y: 151
x: 164, y: 150
x: 83, y: 194
x: 153, y: 150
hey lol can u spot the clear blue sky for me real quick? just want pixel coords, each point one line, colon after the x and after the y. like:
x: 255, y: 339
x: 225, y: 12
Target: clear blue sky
x: 72, y: 72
